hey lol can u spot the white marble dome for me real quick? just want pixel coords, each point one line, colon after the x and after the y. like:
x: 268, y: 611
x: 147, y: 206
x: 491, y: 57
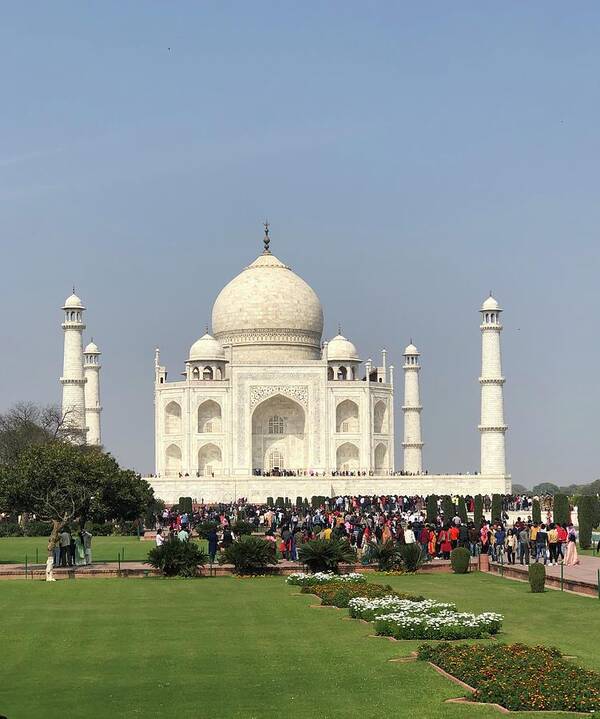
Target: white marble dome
x: 268, y: 306
x: 73, y: 302
x: 206, y: 348
x: 490, y: 304
x: 92, y: 349
x: 411, y: 350
x: 341, y: 349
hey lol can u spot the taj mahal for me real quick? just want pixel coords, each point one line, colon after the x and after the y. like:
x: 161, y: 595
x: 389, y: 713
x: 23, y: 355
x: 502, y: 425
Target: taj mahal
x: 266, y: 408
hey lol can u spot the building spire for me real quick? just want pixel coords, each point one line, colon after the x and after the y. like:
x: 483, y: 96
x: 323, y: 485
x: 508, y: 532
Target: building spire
x: 266, y: 238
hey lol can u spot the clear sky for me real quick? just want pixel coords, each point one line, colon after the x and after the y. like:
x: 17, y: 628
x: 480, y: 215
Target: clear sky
x: 410, y: 157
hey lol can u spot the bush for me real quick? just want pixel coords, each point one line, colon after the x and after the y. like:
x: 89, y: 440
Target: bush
x: 37, y: 529
x: 496, y: 507
x: 177, y: 559
x: 460, y: 559
x: 560, y: 513
x: 241, y: 528
x: 386, y: 555
x: 536, y: 511
x: 537, y: 577
x: 203, y: 528
x: 478, y: 510
x: 185, y: 504
x: 585, y: 515
x: 321, y: 555
x: 300, y: 579
x: 432, y: 509
x: 412, y: 556
x: 100, y: 529
x: 339, y: 594
x: 279, y: 502
x: 249, y: 555
x: 270, y: 502
x: 462, y: 510
x: 517, y: 676
x: 425, y: 623
x: 299, y: 502
x: 10, y: 529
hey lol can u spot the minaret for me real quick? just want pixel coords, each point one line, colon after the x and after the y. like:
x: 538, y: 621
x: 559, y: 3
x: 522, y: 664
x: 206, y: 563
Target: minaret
x: 492, y: 427
x: 91, y: 367
x: 73, y: 379
x: 413, y: 446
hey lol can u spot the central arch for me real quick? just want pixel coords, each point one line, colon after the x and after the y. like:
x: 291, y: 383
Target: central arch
x: 278, y: 435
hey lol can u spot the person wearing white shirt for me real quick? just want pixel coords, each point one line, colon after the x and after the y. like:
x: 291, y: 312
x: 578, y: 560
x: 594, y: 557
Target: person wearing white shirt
x: 160, y: 540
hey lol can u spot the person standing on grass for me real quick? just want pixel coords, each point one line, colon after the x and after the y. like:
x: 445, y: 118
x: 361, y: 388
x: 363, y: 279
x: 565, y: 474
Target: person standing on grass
x: 65, y: 544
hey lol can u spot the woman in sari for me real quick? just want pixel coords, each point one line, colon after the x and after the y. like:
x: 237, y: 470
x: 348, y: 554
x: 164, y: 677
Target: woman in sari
x: 572, y: 559
x: 79, y: 550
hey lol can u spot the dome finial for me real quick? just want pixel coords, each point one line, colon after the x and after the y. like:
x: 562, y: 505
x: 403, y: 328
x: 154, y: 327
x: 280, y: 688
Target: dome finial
x: 266, y: 238
x: 207, y: 328
x: 339, y: 328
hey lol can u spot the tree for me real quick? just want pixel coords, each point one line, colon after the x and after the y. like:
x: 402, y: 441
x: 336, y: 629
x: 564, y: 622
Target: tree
x: 448, y: 509
x: 545, y: 488
x: 585, y: 514
x: 536, y: 511
x: 432, y: 509
x: 496, y: 507
x: 60, y: 482
x: 462, y: 510
x: 561, y: 513
x: 478, y: 510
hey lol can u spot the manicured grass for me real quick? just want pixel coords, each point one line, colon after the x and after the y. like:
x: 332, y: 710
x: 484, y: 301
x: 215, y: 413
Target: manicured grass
x: 104, y: 549
x: 245, y: 648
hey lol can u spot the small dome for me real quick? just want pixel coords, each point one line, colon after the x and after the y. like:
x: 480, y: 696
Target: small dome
x: 92, y: 349
x: 73, y: 302
x: 411, y: 350
x: 206, y: 348
x: 490, y: 304
x: 339, y: 348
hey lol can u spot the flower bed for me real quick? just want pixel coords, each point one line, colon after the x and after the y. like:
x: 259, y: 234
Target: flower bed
x: 519, y: 677
x: 422, y: 621
x: 370, y: 609
x: 339, y: 594
x: 309, y: 580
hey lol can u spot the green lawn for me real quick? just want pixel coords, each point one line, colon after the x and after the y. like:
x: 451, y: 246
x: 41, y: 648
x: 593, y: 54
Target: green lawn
x: 104, y: 549
x: 230, y: 648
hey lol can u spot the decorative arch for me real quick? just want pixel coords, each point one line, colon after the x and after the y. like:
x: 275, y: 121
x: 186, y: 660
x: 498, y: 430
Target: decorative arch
x: 347, y: 457
x: 173, y: 459
x: 209, y: 417
x: 173, y: 418
x: 381, y: 457
x: 330, y: 374
x: 346, y: 417
x: 278, y: 425
x: 207, y: 373
x: 380, y: 418
x: 210, y: 459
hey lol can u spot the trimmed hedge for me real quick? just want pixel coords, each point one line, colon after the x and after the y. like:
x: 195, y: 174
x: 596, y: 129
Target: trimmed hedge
x: 432, y: 508
x: 459, y: 559
x: 448, y: 508
x: 561, y: 514
x: 478, y: 510
x: 537, y: 577
x: 585, y: 514
x: 462, y: 510
x: 496, y: 507
x: 185, y: 504
x: 536, y: 511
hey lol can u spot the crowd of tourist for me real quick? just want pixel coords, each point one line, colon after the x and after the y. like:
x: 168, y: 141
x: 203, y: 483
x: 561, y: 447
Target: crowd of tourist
x: 367, y: 521
x: 73, y: 549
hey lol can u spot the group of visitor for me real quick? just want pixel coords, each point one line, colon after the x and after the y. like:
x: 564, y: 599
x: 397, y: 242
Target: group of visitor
x: 73, y: 549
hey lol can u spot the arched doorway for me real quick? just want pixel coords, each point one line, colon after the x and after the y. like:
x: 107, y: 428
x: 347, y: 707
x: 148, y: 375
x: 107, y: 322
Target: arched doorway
x: 278, y: 435
x: 209, y: 417
x: 347, y: 458
x: 173, y: 418
x: 346, y: 416
x: 380, y: 418
x: 381, y: 462
x: 173, y: 459
x: 210, y: 460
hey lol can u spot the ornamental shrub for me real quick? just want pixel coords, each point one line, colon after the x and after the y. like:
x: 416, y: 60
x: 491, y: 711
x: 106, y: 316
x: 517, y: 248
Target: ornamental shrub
x: 537, y: 577
x: 462, y: 510
x: 585, y: 515
x: 299, y: 502
x: 478, y: 510
x: 339, y: 594
x: 300, y: 579
x: 177, y: 559
x: 249, y: 555
x: 496, y: 507
x: 185, y: 504
x: 428, y: 624
x: 460, y: 559
x: 386, y: 555
x: 561, y: 514
x: 241, y: 528
x: 279, y: 502
x: 270, y: 502
x: 322, y: 555
x: 536, y: 511
x: 203, y: 528
x: 432, y: 510
x: 412, y: 556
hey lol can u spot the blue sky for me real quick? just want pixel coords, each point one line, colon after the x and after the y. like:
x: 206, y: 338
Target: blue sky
x: 410, y: 157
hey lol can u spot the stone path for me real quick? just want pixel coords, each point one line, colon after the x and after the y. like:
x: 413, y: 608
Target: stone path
x: 581, y: 578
